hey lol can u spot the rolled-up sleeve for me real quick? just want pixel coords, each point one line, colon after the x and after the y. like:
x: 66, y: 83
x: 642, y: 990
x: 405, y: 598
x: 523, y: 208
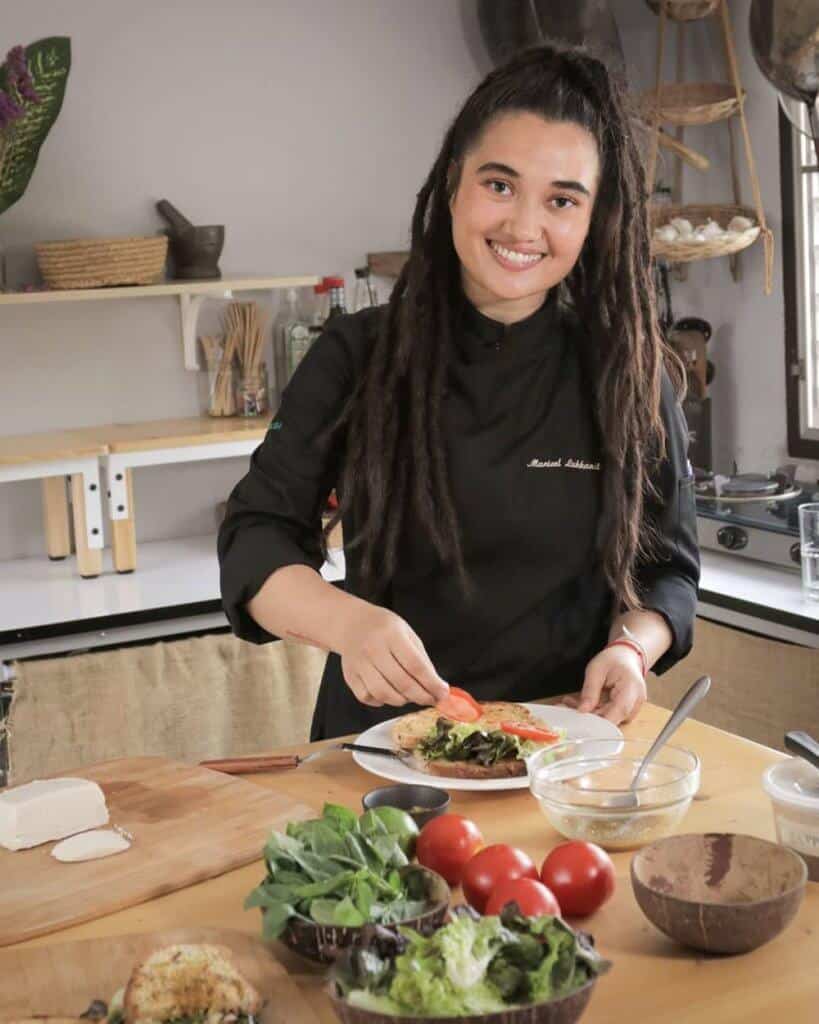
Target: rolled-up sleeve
x: 668, y: 581
x: 273, y: 515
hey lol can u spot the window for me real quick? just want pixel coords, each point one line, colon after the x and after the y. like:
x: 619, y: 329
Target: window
x: 800, y: 261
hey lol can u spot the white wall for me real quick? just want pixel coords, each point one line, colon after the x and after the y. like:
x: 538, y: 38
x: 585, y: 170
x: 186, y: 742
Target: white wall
x: 747, y: 348
x: 306, y: 128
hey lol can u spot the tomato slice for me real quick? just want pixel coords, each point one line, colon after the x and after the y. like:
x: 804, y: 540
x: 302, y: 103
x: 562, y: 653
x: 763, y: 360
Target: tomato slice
x: 530, y: 732
x: 460, y: 706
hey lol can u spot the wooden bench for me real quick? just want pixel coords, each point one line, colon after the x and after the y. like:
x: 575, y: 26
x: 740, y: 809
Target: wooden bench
x: 119, y: 448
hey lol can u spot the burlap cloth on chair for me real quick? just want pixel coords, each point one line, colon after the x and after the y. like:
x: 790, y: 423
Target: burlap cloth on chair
x: 204, y: 697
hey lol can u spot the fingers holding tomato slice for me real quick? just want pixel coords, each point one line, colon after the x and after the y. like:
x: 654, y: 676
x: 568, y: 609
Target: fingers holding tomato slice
x: 530, y: 732
x: 459, y: 705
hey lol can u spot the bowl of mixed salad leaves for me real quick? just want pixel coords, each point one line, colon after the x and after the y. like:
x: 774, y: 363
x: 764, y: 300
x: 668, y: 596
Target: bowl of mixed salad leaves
x: 506, y: 969
x: 329, y: 877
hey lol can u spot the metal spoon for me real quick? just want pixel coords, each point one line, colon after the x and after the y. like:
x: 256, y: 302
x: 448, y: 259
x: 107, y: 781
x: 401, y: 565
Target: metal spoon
x: 689, y: 701
x: 806, y: 747
x: 803, y: 745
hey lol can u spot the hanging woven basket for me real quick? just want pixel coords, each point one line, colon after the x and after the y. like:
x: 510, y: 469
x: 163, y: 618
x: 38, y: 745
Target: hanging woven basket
x: 685, y: 10
x: 684, y: 250
x: 102, y: 262
x: 691, y: 103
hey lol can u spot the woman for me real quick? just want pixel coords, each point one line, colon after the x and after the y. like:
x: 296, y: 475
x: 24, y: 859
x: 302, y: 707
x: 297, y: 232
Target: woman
x: 506, y: 444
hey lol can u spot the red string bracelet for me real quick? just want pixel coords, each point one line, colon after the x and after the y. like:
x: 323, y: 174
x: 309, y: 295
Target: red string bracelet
x: 636, y: 646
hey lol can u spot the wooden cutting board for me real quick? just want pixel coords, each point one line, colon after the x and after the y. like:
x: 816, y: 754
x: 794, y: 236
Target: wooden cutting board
x: 188, y: 823
x: 62, y: 980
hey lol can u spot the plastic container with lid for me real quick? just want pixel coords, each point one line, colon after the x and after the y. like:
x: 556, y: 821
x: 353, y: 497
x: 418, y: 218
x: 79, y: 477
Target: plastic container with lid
x: 793, y: 787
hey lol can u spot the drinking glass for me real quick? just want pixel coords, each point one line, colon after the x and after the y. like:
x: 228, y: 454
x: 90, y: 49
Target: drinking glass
x: 809, y: 549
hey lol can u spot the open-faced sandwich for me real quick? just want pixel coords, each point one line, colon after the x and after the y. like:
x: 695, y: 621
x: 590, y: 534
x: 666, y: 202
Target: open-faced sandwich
x: 465, y: 739
x: 186, y: 984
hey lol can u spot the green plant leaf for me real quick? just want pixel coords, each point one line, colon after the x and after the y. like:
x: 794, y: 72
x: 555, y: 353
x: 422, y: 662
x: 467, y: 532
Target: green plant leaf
x: 49, y: 61
x: 343, y: 819
x: 275, y: 918
x: 347, y: 913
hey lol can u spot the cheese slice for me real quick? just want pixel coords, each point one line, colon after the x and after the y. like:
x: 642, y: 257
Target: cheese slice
x: 44, y: 810
x: 99, y: 842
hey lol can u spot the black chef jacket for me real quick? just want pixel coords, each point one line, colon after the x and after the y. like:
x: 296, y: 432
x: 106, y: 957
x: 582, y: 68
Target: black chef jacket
x: 525, y: 469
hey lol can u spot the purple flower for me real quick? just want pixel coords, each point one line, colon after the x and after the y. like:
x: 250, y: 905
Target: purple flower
x: 19, y: 77
x: 9, y: 110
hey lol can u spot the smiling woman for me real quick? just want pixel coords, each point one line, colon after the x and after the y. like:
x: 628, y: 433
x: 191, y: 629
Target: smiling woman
x: 520, y: 222
x: 519, y: 346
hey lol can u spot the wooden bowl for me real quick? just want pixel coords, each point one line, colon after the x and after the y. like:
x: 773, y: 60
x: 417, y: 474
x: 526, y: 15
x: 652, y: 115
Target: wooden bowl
x: 721, y: 893
x: 322, y: 942
x: 565, y: 1010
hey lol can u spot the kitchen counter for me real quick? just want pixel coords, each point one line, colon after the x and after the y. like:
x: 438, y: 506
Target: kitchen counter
x: 654, y: 981
x: 45, y: 608
x: 761, y: 598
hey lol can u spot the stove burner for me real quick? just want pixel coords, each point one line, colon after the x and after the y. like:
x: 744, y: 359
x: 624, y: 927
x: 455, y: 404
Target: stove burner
x: 751, y: 485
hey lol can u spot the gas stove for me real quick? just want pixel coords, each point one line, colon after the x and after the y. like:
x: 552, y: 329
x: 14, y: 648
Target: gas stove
x: 753, y: 515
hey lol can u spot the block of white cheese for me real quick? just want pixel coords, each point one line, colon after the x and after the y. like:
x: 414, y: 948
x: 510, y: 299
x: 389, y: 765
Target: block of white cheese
x: 99, y: 842
x: 44, y: 810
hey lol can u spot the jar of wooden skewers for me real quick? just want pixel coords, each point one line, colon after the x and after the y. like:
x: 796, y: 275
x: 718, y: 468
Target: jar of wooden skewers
x: 237, y: 376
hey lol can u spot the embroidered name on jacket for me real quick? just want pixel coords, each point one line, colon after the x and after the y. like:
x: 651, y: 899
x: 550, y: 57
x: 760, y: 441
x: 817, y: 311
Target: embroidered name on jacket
x: 562, y: 464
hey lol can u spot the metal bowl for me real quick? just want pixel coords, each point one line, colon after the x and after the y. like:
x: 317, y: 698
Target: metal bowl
x: 422, y: 803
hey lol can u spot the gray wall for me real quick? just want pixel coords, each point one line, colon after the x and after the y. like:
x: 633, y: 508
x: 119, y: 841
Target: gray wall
x: 307, y: 129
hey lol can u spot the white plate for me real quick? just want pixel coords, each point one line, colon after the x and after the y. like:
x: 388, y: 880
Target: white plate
x: 576, y: 725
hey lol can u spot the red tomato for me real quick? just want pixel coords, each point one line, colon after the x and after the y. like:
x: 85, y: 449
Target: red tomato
x: 459, y: 705
x: 446, y: 843
x: 581, y: 876
x: 530, y: 732
x: 533, y: 898
x: 490, y: 867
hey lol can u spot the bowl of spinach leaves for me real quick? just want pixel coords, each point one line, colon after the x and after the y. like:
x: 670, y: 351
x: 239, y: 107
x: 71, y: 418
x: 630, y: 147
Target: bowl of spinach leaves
x: 507, y: 969
x: 330, y: 876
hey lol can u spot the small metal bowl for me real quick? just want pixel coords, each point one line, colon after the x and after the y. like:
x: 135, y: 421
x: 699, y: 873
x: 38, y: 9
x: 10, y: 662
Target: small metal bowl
x: 423, y: 803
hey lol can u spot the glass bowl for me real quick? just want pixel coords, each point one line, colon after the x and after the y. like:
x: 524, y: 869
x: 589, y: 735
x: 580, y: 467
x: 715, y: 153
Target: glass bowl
x: 582, y: 788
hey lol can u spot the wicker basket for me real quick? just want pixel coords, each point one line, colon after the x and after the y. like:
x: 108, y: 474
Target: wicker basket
x: 102, y: 262
x: 685, y: 10
x: 688, y: 103
x: 682, y: 251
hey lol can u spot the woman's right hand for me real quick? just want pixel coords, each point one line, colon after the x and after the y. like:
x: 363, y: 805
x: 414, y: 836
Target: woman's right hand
x: 384, y: 661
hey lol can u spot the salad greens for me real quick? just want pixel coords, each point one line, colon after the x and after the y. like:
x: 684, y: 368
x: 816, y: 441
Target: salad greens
x: 339, y: 869
x: 465, y: 741
x: 473, y: 965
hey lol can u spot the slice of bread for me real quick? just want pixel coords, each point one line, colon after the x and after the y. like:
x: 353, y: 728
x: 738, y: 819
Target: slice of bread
x: 408, y: 731
x: 508, y: 768
x: 184, y: 980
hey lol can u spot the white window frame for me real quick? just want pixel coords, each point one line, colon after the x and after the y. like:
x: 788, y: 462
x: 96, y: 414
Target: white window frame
x: 803, y: 347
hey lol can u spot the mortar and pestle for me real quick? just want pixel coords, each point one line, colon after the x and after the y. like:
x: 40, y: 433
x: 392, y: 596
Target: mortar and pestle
x: 195, y: 250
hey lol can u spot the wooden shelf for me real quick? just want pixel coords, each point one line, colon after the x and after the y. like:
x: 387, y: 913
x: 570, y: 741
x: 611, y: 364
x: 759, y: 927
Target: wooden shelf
x: 238, y: 283
x: 191, y: 295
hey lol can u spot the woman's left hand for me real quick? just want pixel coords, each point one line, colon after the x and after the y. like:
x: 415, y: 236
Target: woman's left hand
x: 613, y: 686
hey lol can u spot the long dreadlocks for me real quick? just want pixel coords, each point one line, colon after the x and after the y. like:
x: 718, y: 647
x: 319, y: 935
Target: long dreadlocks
x: 395, y: 468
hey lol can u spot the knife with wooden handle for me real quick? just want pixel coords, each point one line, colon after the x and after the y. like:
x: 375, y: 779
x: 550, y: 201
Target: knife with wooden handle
x: 269, y: 762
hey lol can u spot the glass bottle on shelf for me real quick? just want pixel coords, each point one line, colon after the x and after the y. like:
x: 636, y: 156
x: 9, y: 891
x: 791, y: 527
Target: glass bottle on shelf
x: 338, y: 301
x: 290, y: 334
x: 365, y: 295
x: 321, y: 302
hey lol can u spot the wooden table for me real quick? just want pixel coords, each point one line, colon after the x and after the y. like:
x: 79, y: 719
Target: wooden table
x: 653, y: 981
